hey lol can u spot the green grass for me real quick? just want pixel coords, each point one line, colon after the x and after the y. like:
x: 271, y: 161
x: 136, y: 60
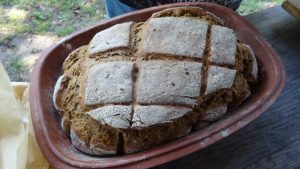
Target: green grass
x: 39, y: 15
x: 64, y: 31
x: 59, y: 17
x: 249, y: 6
x: 11, y: 23
x: 62, y: 17
x: 16, y: 64
x: 40, y: 21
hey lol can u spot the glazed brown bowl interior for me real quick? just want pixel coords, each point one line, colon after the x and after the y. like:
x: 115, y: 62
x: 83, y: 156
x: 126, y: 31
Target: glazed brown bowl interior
x: 56, y: 146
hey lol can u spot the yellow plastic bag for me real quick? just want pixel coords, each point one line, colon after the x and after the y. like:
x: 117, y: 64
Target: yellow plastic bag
x: 18, y: 146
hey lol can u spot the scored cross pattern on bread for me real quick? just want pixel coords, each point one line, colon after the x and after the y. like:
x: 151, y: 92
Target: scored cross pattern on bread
x: 137, y: 85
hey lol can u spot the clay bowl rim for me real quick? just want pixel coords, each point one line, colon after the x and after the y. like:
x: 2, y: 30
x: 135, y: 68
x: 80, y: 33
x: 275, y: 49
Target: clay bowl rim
x: 254, y: 106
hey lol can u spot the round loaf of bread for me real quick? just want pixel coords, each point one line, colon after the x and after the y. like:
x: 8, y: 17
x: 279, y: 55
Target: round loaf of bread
x: 137, y: 85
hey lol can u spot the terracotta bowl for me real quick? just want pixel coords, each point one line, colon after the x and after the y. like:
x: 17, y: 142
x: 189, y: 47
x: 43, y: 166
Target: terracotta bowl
x: 56, y: 146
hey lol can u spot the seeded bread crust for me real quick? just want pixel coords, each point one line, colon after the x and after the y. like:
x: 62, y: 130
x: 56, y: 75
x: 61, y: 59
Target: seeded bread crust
x: 136, y: 85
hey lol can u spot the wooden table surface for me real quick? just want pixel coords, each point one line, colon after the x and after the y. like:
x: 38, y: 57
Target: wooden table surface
x: 272, y: 141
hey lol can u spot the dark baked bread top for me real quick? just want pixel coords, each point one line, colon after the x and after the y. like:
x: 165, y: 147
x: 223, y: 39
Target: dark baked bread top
x: 134, y: 77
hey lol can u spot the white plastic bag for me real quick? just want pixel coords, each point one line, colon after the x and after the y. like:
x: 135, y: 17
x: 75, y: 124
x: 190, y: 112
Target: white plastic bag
x: 18, y: 146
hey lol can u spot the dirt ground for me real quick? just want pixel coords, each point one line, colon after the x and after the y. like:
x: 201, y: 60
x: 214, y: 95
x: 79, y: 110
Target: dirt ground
x: 28, y: 29
x: 20, y: 53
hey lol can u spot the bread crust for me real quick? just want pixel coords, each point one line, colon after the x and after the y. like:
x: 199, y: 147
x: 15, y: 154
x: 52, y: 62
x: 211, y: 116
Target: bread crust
x: 141, y: 87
